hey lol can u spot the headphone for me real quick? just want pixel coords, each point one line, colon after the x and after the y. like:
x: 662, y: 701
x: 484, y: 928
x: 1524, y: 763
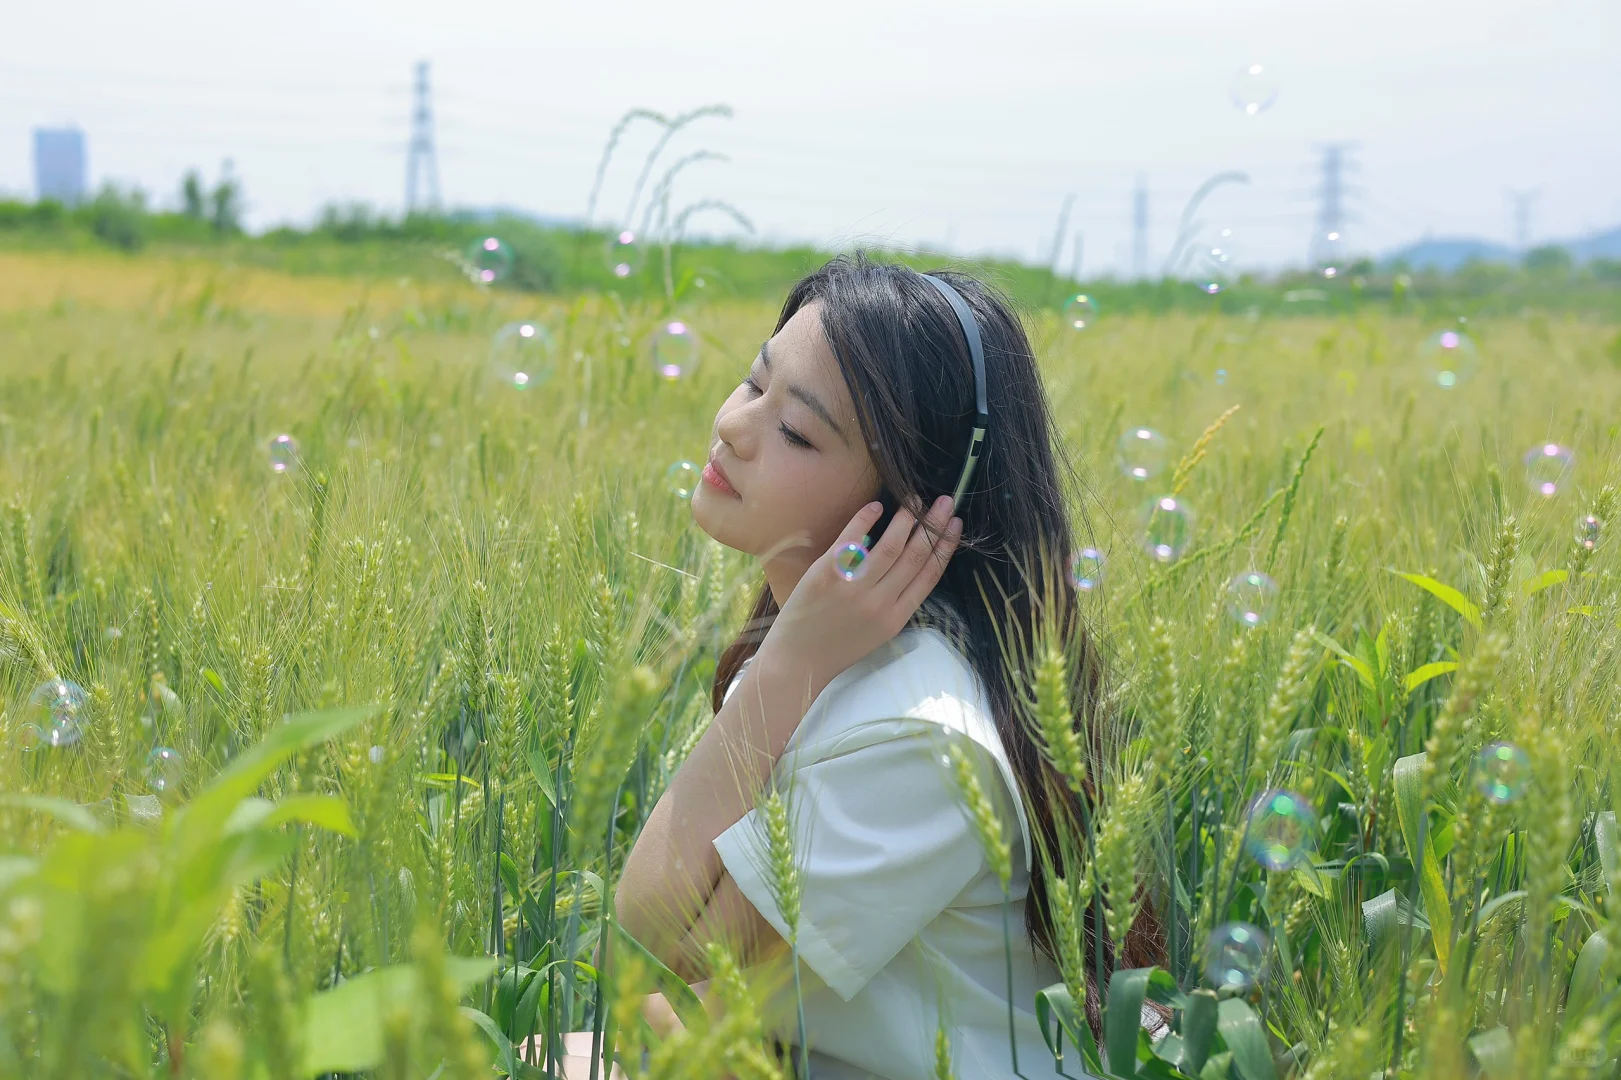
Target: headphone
x: 982, y: 418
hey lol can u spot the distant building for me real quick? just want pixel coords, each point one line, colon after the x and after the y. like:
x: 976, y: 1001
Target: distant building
x: 59, y: 164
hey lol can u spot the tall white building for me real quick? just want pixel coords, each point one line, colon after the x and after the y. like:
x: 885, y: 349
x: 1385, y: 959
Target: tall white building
x: 59, y: 165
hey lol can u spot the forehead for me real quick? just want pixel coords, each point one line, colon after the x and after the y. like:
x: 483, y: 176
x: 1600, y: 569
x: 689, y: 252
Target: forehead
x: 799, y: 351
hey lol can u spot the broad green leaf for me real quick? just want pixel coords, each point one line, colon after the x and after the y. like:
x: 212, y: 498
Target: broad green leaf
x: 1449, y: 596
x: 14, y: 868
x: 1060, y: 1016
x: 543, y: 775
x: 1219, y: 1067
x: 1419, y: 677
x: 1364, y: 673
x: 1245, y: 1038
x: 1123, y: 1014
x: 1608, y: 842
x: 672, y: 986
x: 1386, y: 913
x: 1408, y: 776
x: 1198, y: 1031
x: 1542, y: 581
x: 1593, y: 968
x: 503, y: 1045
x: 343, y: 1026
x: 1494, y: 1050
x: 323, y: 811
x: 214, y: 679
x: 69, y: 813
x: 1585, y: 609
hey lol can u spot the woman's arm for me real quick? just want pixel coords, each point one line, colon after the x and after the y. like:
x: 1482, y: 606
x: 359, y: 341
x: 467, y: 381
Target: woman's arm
x: 673, y: 871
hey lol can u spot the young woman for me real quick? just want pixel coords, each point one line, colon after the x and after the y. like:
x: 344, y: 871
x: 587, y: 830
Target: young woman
x: 852, y: 427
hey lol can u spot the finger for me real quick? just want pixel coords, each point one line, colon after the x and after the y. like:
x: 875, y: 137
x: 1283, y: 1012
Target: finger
x: 856, y: 531
x: 890, y: 545
x: 915, y: 552
x: 922, y: 584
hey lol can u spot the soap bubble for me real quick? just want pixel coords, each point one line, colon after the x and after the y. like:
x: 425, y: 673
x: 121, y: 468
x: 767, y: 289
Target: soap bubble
x: 1235, y: 956
x: 1167, y: 528
x: 1280, y: 829
x: 375, y: 755
x: 1080, y: 311
x: 491, y: 260
x: 624, y: 253
x: 1589, y: 530
x: 1086, y: 569
x: 675, y: 349
x: 1254, y: 89
x: 1502, y: 771
x: 1251, y: 597
x: 1330, y: 254
x: 521, y: 354
x: 1213, y: 262
x: 1449, y: 358
x: 1221, y: 376
x: 283, y: 451
x: 60, y: 711
x: 163, y: 770
x: 1547, y: 467
x: 1143, y: 453
x: 851, y: 561
x: 681, y: 478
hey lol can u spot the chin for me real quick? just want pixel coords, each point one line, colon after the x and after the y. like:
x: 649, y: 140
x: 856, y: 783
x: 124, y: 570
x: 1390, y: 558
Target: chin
x: 704, y: 515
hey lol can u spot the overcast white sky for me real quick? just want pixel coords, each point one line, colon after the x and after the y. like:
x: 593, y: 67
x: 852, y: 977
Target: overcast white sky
x: 943, y: 123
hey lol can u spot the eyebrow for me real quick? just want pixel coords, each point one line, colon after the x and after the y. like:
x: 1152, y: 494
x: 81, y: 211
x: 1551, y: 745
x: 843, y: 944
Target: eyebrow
x: 812, y: 402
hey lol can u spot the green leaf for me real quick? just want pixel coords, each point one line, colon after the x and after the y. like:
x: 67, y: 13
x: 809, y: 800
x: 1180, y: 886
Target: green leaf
x: 1059, y: 1016
x: 1494, y: 1050
x: 1364, y: 672
x: 14, y: 868
x: 1449, y: 596
x: 1198, y: 1031
x: 343, y: 1026
x: 69, y: 813
x: 1419, y: 677
x: 1545, y: 580
x: 214, y: 680
x: 672, y: 986
x: 323, y: 811
x: 1384, y: 914
x: 1219, y: 1067
x: 503, y: 1045
x: 1607, y: 841
x: 1592, y: 970
x: 1242, y: 1032
x: 543, y: 775
x: 1408, y: 776
x: 1123, y: 1015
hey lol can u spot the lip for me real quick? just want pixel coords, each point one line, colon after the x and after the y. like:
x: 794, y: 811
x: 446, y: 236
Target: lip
x: 716, y: 477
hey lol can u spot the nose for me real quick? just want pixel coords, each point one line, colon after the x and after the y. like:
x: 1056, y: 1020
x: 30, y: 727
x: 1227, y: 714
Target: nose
x: 734, y: 427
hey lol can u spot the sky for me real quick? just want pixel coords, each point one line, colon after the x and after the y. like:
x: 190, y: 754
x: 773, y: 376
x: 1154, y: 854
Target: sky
x: 955, y: 126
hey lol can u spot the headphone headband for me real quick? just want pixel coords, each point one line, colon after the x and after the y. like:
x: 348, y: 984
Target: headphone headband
x: 976, y: 351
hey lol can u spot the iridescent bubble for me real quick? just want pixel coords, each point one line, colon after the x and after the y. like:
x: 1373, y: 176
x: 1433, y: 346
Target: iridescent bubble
x: 1251, y: 597
x: 1144, y: 453
x: 1213, y: 264
x: 675, y: 349
x: 624, y: 254
x: 164, y: 770
x: 1080, y: 311
x: 522, y: 354
x: 1086, y: 569
x: 1329, y: 252
x: 283, y: 453
x: 1502, y: 771
x: 1589, y: 530
x: 1280, y: 828
x: 1167, y: 528
x: 851, y: 561
x: 1449, y: 358
x: 1235, y: 956
x: 1254, y: 89
x: 1221, y: 376
x: 1547, y: 467
x: 60, y: 711
x: 681, y: 478
x: 490, y: 259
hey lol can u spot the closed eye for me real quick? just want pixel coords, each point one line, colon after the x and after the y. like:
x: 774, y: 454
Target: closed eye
x: 792, y: 437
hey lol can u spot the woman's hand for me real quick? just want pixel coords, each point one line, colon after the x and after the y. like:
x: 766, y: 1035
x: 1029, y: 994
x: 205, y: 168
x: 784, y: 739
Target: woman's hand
x: 829, y: 622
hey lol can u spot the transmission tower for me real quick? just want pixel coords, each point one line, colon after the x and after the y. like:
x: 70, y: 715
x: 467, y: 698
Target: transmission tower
x: 1328, y: 239
x: 1523, y: 201
x: 1139, y: 229
x: 421, y: 161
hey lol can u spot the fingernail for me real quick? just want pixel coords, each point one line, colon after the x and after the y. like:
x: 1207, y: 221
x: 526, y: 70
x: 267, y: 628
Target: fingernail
x: 873, y: 507
x: 942, y: 503
x: 955, y: 523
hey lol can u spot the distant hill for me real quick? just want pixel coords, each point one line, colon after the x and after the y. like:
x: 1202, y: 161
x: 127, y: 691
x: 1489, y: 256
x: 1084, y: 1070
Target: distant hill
x: 1446, y: 254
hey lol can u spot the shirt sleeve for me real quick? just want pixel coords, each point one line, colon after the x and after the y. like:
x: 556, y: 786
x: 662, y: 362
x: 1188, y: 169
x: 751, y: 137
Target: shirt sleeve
x: 881, y: 844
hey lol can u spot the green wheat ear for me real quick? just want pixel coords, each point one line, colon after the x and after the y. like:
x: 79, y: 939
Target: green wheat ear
x: 1115, y: 866
x: 981, y: 813
x: 785, y: 883
x: 1055, y: 719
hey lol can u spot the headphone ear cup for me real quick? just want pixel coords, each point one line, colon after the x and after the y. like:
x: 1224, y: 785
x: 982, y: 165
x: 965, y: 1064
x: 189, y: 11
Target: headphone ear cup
x: 887, y: 500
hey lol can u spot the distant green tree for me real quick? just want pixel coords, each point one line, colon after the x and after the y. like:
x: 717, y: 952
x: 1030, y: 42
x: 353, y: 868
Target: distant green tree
x: 225, y: 202
x: 192, y: 199
x: 117, y: 216
x: 1550, y: 259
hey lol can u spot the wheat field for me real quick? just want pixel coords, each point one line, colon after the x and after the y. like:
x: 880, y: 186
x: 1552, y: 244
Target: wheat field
x: 308, y: 754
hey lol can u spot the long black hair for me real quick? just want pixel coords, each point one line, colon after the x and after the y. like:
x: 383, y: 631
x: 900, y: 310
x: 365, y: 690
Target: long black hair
x: 902, y: 354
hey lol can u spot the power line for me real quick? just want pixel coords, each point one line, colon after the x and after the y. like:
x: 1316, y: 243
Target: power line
x: 422, y: 162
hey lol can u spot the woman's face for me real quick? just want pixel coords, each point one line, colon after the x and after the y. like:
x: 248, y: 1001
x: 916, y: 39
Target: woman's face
x: 787, y: 442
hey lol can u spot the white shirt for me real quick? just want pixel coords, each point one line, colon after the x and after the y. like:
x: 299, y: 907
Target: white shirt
x: 901, y: 913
